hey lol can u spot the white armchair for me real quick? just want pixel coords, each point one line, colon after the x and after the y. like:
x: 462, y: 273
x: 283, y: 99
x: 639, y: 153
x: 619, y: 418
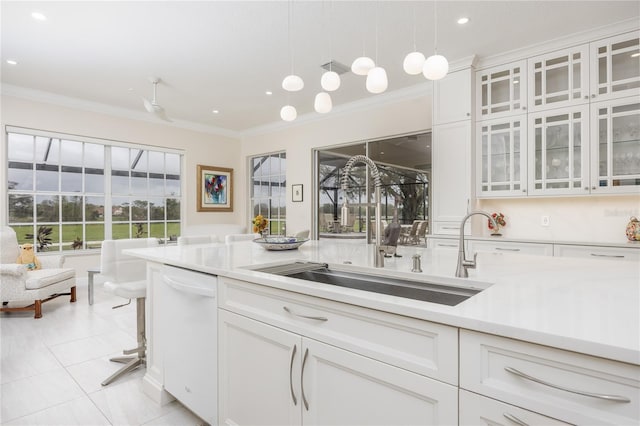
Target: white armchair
x: 39, y: 286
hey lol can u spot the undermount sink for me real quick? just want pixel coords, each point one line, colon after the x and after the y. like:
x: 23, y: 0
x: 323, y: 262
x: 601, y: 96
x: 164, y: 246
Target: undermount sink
x: 435, y: 292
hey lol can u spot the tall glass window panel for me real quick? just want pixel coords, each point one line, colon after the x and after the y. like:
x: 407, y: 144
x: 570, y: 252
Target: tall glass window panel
x: 156, y: 173
x: 20, y: 208
x: 72, y: 236
x: 93, y: 168
x: 120, y: 171
x: 71, y: 208
x: 20, y: 152
x: 120, y: 209
x: 71, y: 166
x: 173, y: 172
x: 268, y: 190
x: 139, y: 168
x: 47, y: 164
x: 156, y: 208
x: 48, y: 208
x: 173, y: 209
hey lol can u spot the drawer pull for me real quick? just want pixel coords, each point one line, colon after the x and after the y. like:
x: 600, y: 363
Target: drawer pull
x: 293, y: 395
x: 289, y: 311
x: 507, y: 249
x: 514, y: 419
x: 447, y: 245
x: 304, y: 363
x: 562, y: 388
x: 456, y: 228
x: 619, y: 256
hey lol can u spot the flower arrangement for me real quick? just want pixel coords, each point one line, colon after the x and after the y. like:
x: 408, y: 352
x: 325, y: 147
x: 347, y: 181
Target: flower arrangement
x: 499, y: 218
x: 260, y: 223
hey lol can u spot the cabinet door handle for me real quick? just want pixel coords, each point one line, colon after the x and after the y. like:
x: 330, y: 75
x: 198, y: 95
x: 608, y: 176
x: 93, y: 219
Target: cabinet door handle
x: 507, y: 249
x: 451, y: 227
x: 514, y: 419
x: 618, y: 256
x: 289, y: 311
x: 447, y: 245
x: 615, y: 398
x: 293, y: 395
x: 304, y: 363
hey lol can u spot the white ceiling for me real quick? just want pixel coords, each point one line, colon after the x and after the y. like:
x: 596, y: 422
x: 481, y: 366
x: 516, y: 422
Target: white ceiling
x: 224, y: 55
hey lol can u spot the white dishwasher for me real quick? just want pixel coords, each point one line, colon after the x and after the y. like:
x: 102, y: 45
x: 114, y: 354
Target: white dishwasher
x: 189, y: 328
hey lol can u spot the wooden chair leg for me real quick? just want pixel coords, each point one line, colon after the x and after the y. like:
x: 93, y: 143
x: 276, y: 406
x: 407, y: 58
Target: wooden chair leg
x: 73, y: 294
x: 38, y: 308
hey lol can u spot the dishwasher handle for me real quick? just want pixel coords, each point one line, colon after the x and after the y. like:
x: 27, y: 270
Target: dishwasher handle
x: 187, y: 288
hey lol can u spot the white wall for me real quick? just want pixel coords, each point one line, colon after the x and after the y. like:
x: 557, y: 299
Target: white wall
x: 409, y: 114
x: 199, y: 148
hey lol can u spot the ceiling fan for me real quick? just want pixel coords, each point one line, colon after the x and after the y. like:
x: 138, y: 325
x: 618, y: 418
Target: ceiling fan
x: 152, y: 106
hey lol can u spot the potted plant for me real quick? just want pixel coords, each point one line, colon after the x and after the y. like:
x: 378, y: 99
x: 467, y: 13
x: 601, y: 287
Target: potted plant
x: 500, y: 222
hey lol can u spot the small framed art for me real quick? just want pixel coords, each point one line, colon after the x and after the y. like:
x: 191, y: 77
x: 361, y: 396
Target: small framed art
x: 215, y: 189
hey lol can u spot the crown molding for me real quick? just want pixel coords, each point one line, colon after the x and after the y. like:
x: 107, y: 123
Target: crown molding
x: 564, y: 42
x: 372, y: 102
x: 84, y: 105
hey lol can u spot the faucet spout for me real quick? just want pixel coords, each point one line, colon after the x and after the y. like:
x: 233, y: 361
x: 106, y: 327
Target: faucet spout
x: 463, y: 263
x: 378, y: 254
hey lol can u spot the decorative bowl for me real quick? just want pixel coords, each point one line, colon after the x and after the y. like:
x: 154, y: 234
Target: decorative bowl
x: 280, y: 243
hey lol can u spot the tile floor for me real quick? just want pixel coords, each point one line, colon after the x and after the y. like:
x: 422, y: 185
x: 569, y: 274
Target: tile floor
x: 51, y: 368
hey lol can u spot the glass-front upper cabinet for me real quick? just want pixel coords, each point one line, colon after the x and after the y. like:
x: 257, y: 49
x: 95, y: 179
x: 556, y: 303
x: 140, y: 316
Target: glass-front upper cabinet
x: 559, y: 79
x: 615, y: 152
x: 559, y: 151
x: 615, y: 67
x: 502, y: 164
x: 501, y: 90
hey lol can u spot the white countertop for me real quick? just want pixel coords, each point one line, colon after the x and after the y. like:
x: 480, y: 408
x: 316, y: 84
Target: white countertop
x: 497, y: 239
x: 590, y: 306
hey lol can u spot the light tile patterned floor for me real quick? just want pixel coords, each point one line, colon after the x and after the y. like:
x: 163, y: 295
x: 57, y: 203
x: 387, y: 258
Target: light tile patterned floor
x: 51, y: 368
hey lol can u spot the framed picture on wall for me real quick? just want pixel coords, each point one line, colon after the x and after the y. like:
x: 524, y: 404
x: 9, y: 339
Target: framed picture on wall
x: 296, y: 193
x: 215, y: 189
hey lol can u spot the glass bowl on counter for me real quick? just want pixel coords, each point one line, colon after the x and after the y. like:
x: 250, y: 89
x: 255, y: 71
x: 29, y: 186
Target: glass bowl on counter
x: 280, y: 243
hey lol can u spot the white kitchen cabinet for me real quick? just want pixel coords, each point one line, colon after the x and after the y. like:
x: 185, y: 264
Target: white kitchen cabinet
x: 501, y: 160
x: 259, y: 369
x: 343, y: 388
x: 571, y: 387
x: 558, y: 155
x: 559, y: 79
x: 479, y: 410
x: 501, y: 91
x: 615, y: 146
x: 452, y: 97
x: 497, y: 246
x: 596, y: 252
x: 451, y: 173
x: 615, y: 67
x: 189, y: 338
x: 273, y: 376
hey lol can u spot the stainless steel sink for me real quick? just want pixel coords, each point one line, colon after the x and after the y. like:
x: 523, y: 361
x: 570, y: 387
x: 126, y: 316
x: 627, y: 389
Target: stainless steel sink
x: 419, y: 290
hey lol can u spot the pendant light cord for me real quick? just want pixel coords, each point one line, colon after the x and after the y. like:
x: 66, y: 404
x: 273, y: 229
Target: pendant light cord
x: 414, y: 27
x: 435, y: 27
x: 289, y: 19
x: 377, y: 13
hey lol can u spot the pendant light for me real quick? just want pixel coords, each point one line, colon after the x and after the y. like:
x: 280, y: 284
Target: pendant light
x: 288, y: 113
x: 330, y: 80
x: 436, y: 66
x: 362, y: 64
x: 414, y: 61
x: 377, y: 81
x: 292, y: 82
x: 323, y: 103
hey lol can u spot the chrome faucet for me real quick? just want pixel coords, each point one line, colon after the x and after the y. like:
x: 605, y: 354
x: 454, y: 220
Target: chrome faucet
x: 378, y: 255
x: 463, y: 263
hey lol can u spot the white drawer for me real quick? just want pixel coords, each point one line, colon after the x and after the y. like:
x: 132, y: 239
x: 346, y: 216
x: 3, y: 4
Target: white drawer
x: 443, y: 243
x: 423, y: 347
x: 511, y: 247
x: 614, y: 387
x: 450, y: 228
x: 596, y: 252
x: 479, y: 410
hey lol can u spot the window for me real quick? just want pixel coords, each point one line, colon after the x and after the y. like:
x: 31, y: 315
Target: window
x: 66, y: 194
x: 268, y: 190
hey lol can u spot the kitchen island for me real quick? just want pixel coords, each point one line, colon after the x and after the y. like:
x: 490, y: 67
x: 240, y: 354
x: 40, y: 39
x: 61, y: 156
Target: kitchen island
x: 561, y: 318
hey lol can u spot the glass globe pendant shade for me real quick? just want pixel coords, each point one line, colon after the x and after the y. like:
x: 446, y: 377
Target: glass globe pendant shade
x: 377, y: 80
x: 413, y: 63
x: 323, y: 103
x: 435, y: 67
x: 292, y: 83
x: 362, y: 65
x: 330, y: 81
x: 288, y: 113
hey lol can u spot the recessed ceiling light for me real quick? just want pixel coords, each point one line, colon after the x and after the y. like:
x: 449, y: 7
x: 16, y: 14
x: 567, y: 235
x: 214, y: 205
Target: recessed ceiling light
x: 516, y: 81
x: 635, y: 55
x: 12, y: 62
x: 215, y: 111
x: 381, y: 152
x: 463, y: 20
x: 268, y: 93
x: 38, y: 16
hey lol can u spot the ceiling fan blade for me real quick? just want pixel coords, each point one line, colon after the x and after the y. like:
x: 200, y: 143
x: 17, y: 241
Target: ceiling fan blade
x: 148, y: 105
x: 161, y: 114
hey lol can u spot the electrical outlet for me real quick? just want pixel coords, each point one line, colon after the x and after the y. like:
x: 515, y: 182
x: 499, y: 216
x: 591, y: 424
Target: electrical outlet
x: 545, y: 221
